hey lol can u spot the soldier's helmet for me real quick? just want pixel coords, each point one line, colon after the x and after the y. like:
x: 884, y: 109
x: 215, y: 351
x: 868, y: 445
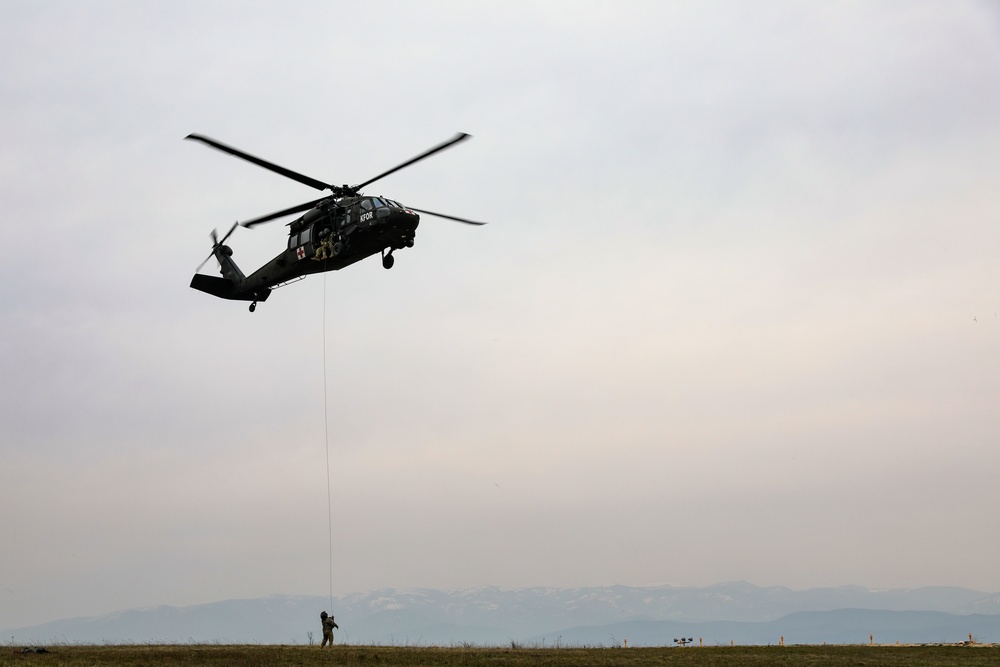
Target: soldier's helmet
x: 322, y: 615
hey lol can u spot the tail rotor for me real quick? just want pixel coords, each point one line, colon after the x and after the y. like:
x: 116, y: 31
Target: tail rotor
x: 217, y: 243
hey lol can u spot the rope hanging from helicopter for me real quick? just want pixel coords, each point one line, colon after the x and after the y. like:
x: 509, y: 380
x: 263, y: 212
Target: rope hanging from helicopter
x: 326, y: 432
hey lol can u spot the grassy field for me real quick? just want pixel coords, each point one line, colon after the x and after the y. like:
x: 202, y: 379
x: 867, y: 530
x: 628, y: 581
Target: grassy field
x: 370, y: 656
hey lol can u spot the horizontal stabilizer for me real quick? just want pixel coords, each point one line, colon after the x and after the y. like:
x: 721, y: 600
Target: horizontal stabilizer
x: 225, y: 289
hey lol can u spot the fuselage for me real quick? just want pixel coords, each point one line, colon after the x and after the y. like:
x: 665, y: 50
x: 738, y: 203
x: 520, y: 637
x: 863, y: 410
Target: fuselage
x: 334, y: 234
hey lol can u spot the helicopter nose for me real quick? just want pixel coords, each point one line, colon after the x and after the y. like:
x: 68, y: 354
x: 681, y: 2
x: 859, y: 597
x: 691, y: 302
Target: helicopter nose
x: 406, y: 218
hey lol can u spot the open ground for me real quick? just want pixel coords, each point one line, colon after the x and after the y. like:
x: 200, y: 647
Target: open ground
x: 243, y: 655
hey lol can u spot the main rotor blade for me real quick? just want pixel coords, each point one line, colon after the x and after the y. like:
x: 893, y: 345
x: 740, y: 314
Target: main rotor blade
x: 280, y: 214
x: 288, y: 173
x: 446, y: 217
x: 461, y: 136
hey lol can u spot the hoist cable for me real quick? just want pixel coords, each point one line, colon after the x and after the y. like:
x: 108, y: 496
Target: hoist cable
x: 326, y: 429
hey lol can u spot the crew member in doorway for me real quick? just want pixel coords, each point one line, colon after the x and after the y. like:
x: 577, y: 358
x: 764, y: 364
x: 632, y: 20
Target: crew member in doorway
x: 328, y: 626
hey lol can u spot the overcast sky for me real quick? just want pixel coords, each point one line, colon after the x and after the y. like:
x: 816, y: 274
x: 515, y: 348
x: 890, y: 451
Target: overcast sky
x: 734, y: 318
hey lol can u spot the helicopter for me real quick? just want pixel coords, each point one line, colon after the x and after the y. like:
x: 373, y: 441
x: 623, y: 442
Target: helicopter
x: 335, y: 231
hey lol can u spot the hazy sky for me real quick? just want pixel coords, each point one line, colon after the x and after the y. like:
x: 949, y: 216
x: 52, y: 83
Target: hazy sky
x: 735, y: 315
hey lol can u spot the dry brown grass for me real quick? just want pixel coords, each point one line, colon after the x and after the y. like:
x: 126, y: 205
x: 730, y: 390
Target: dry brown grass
x: 370, y: 656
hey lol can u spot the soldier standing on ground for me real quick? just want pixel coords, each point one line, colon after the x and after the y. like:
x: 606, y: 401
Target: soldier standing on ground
x: 328, y: 626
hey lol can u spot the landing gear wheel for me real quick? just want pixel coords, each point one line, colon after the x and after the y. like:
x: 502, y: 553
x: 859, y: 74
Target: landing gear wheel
x: 253, y: 306
x: 388, y: 260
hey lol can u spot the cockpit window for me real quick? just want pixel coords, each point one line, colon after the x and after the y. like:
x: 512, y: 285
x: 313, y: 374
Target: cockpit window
x: 378, y: 202
x: 366, y: 204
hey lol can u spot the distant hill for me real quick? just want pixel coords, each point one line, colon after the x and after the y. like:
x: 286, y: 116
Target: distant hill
x: 599, y: 616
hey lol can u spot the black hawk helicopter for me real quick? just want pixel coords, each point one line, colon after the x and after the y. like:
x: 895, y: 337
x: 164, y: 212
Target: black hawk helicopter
x: 337, y: 230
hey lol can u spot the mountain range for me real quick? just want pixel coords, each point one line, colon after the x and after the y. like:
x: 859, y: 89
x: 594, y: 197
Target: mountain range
x: 599, y: 616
